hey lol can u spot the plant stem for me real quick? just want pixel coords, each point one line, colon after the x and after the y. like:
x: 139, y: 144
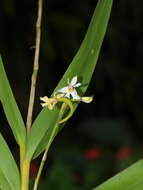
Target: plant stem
x: 25, y: 175
x: 35, y: 67
x: 44, y: 158
x: 22, y: 153
x: 47, y: 148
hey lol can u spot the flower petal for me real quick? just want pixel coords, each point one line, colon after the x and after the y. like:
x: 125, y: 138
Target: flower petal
x: 87, y: 99
x: 73, y: 81
x: 63, y: 90
x: 51, y: 106
x: 67, y: 95
x: 75, y: 95
x: 44, y: 99
x: 44, y: 104
x: 77, y: 85
x: 68, y: 81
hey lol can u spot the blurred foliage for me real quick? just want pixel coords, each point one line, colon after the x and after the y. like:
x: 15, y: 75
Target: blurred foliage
x: 77, y: 168
x: 114, y: 119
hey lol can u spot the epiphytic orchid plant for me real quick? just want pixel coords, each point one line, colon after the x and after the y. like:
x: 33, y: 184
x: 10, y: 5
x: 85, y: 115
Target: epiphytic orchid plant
x: 34, y: 138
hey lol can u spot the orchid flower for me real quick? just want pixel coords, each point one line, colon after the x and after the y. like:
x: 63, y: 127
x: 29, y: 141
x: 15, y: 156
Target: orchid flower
x: 70, y: 90
x: 67, y: 92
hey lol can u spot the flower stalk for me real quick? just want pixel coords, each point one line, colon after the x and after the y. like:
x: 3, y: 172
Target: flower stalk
x: 35, y: 67
x: 36, y: 183
x: 63, y: 107
x: 25, y: 164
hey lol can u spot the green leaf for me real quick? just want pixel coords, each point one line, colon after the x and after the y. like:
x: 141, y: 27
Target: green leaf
x: 46, y: 141
x: 9, y: 174
x: 83, y: 66
x: 129, y: 179
x: 10, y: 107
x: 39, y: 129
x: 84, y: 62
x: 4, y: 185
x: 138, y: 186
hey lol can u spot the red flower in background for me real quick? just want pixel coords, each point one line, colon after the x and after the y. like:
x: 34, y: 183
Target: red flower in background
x: 33, y: 169
x: 123, y: 153
x: 93, y: 154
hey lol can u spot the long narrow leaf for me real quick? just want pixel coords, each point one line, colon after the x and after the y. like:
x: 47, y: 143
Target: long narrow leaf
x: 83, y: 66
x: 40, y: 128
x: 8, y: 167
x: 45, y: 140
x: 4, y: 185
x: 129, y: 179
x: 10, y: 107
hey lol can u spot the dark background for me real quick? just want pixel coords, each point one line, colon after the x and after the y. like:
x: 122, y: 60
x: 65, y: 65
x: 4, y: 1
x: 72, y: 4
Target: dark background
x: 104, y: 137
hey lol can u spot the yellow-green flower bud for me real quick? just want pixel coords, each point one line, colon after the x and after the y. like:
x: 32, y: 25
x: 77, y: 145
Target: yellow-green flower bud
x: 87, y: 99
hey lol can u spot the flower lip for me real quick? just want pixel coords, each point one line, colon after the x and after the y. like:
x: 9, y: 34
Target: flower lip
x: 70, y: 89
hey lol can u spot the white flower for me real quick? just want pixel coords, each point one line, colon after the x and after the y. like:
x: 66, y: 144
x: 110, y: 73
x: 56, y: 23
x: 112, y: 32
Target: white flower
x: 70, y: 90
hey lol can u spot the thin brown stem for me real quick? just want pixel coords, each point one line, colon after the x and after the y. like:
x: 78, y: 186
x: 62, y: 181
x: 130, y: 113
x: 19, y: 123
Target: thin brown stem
x: 35, y: 67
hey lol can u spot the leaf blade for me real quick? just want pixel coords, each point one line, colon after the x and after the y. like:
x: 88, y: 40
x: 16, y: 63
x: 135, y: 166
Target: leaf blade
x: 137, y: 186
x: 37, y: 132
x: 10, y: 107
x: 8, y: 166
x: 127, y: 179
x: 3, y: 182
x: 90, y: 47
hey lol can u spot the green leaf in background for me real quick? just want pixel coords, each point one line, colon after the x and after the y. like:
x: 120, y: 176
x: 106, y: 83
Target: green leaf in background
x: 129, y: 179
x: 10, y: 107
x: 83, y: 66
x: 9, y: 174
